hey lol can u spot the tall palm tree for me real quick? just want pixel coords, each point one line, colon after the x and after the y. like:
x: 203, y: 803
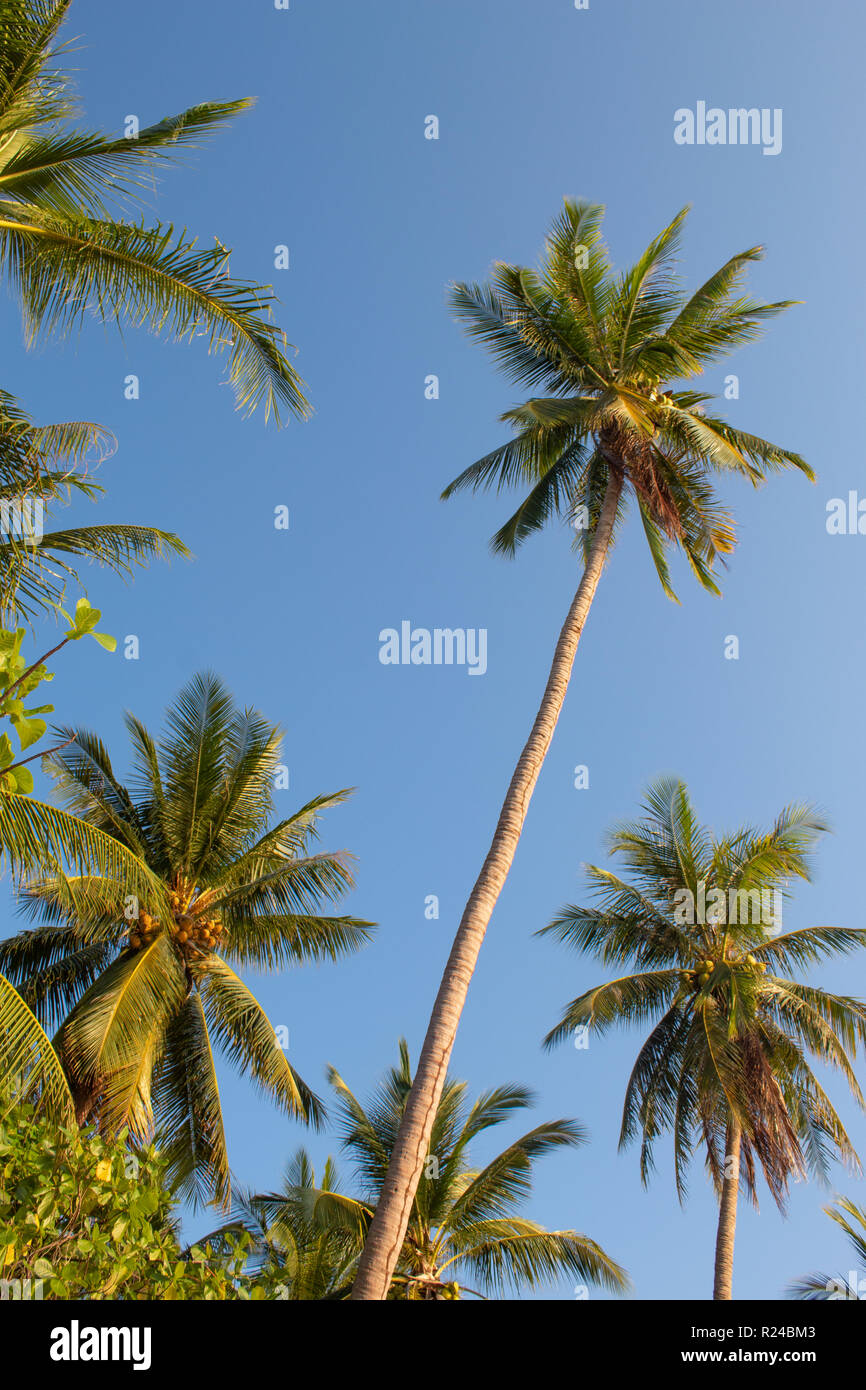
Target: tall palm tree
x: 145, y: 991
x: 839, y: 1288
x: 726, y: 1065
x: 614, y: 428
x: 464, y: 1220
x: 68, y: 252
x: 41, y: 465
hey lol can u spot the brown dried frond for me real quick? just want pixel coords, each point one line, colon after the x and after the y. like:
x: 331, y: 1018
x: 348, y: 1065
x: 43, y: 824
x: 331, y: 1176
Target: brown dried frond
x: 635, y: 456
x: 771, y: 1136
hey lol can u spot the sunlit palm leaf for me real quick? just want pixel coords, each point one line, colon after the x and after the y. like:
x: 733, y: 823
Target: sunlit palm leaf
x: 29, y: 1067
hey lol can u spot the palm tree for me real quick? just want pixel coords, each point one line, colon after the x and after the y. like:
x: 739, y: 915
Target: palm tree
x: 827, y: 1288
x: 463, y: 1218
x: 613, y: 427
x: 145, y: 990
x: 38, y: 465
x: 67, y: 252
x: 726, y: 1066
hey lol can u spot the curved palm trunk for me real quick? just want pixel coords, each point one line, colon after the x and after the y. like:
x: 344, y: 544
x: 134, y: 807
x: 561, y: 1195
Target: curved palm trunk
x: 388, y: 1228
x: 724, y: 1271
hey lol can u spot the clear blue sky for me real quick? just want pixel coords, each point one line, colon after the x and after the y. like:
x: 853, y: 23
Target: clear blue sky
x: 536, y: 101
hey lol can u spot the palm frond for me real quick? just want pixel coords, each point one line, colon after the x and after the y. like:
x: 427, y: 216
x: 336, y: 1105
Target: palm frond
x: 29, y: 1067
x: 240, y: 1026
x: 64, y: 267
x: 187, y: 1113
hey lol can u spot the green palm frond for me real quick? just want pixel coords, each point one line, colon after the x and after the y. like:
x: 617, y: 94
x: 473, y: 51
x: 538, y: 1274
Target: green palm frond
x: 823, y: 1022
x: 301, y: 1202
x: 188, y: 1115
x: 288, y: 889
x: 33, y: 578
x: 289, y: 838
x: 85, y: 781
x: 191, y: 754
x: 838, y: 1288
x: 810, y: 945
x: 29, y: 1067
x: 34, y: 834
x: 115, y: 1035
x: 508, y: 1178
x: 70, y: 171
x: 244, y: 1033
x: 514, y: 1254
x: 631, y: 998
x: 29, y: 30
x: 41, y: 466
x: 69, y: 255
x: 52, y: 966
x: 280, y: 940
x: 65, y: 267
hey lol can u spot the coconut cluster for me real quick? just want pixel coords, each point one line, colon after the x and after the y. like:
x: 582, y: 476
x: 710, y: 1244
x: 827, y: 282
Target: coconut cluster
x: 756, y: 965
x: 193, y: 934
x: 701, y: 975
x: 699, y: 978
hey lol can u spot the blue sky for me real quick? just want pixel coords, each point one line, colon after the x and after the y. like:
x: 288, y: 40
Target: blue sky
x: 536, y: 101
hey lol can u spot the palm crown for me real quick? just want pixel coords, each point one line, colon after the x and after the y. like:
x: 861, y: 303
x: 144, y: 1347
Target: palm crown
x: 464, y: 1219
x: 143, y: 1003
x: 607, y: 349
x: 732, y: 1031
x: 67, y: 255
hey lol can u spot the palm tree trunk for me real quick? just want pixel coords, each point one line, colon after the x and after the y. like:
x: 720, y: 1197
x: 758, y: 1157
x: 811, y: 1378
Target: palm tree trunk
x: 724, y: 1271
x: 388, y: 1228
x: 84, y: 1098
